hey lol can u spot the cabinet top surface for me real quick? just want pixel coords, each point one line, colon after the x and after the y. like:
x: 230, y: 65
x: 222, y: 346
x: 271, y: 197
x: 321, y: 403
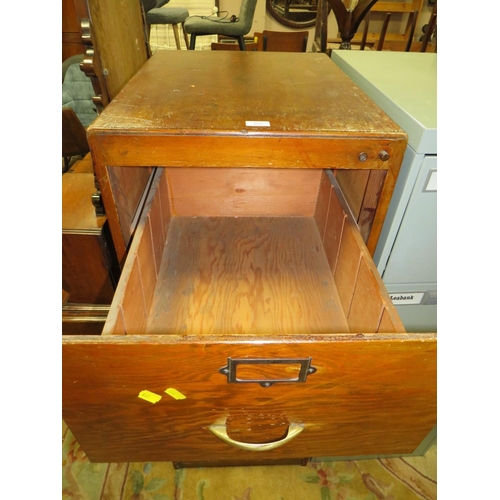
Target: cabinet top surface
x: 243, y: 94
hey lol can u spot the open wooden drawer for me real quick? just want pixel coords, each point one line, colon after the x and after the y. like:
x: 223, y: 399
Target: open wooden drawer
x: 248, y: 326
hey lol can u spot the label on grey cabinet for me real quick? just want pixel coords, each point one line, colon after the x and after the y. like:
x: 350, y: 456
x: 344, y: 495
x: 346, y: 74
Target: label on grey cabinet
x: 407, y: 298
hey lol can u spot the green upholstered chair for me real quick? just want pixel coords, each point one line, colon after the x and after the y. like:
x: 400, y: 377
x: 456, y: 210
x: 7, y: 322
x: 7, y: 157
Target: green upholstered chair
x: 157, y: 14
x: 209, y: 25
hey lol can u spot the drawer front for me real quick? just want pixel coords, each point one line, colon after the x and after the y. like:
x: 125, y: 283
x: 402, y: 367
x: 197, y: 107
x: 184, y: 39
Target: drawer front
x: 365, y: 395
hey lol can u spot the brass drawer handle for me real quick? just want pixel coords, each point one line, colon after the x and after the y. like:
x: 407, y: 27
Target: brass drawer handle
x: 220, y: 430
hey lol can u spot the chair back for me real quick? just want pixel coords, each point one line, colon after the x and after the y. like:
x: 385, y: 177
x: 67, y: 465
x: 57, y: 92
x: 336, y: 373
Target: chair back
x: 252, y: 46
x: 285, y: 41
x: 148, y: 5
x: 74, y: 136
x: 246, y: 14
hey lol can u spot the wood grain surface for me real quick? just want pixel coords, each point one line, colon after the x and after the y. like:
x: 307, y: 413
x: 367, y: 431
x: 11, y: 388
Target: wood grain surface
x: 213, y: 93
x: 241, y: 275
x: 371, y: 394
x: 243, y: 192
x: 248, y: 275
x: 78, y: 213
x: 223, y: 109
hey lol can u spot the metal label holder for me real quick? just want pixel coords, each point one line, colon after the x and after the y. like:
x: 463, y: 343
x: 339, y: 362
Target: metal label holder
x: 232, y: 364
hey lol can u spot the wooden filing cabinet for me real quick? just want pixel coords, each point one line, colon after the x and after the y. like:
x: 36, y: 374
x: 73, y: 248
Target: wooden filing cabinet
x: 250, y: 324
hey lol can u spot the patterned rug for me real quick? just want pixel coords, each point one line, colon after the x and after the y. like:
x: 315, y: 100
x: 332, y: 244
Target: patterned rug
x: 410, y: 478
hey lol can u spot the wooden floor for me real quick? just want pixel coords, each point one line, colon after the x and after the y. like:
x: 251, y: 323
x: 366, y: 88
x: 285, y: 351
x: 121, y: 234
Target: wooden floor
x: 247, y: 275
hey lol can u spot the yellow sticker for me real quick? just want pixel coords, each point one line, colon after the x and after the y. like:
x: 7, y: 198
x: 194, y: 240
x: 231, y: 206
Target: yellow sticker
x: 149, y: 396
x: 175, y: 393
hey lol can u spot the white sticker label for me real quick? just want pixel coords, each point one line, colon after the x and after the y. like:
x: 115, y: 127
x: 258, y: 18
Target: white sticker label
x: 403, y: 299
x: 257, y: 124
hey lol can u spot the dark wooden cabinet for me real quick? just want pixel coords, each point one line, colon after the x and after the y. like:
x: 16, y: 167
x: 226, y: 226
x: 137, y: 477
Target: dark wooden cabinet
x: 72, y: 12
x: 89, y: 265
x: 250, y: 323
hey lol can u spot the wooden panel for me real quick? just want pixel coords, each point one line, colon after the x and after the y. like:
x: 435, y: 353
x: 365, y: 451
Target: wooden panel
x: 244, y: 192
x: 158, y: 233
x: 83, y: 319
x: 146, y: 259
x: 386, y: 324
x: 78, y: 213
x: 119, y: 322
x: 244, y: 151
x: 353, y: 184
x: 119, y: 33
x: 138, y: 279
x: 85, y: 269
x: 346, y: 271
x: 367, y: 305
x: 245, y: 275
x: 364, y: 399
x: 133, y: 306
x: 334, y: 230
x: 71, y: 33
x: 322, y: 205
x: 165, y: 204
x: 127, y: 186
x: 407, y: 7
x: 370, y: 202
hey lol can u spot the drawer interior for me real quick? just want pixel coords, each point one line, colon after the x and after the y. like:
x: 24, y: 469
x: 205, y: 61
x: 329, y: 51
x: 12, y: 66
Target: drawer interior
x: 231, y: 251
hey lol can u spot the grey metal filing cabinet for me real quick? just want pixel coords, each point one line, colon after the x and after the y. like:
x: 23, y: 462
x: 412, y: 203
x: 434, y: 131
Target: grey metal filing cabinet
x: 404, y: 85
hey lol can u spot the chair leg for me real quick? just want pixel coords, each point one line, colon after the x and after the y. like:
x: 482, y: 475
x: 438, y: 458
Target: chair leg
x: 241, y: 43
x: 185, y: 36
x: 192, y: 42
x: 176, y: 36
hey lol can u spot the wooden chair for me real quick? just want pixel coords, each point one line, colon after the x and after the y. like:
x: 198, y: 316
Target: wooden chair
x: 285, y: 41
x: 155, y: 13
x: 400, y: 45
x: 252, y: 46
x: 74, y: 137
x: 234, y: 27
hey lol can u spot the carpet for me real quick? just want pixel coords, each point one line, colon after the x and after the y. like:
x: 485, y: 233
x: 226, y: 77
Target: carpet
x: 408, y: 478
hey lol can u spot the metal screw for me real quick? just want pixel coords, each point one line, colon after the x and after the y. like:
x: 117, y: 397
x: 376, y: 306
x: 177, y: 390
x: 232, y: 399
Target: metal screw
x: 362, y: 157
x: 384, y: 155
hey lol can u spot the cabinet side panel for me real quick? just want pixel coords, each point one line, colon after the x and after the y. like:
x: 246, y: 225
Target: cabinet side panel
x: 367, y: 305
x: 147, y: 268
x: 369, y: 296
x: 333, y: 231
x: 353, y: 184
x: 165, y: 202
x: 346, y: 271
x: 370, y: 202
x: 158, y: 234
x: 127, y: 186
x: 386, y: 323
x: 133, y: 305
x: 134, y: 293
x: 322, y: 205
